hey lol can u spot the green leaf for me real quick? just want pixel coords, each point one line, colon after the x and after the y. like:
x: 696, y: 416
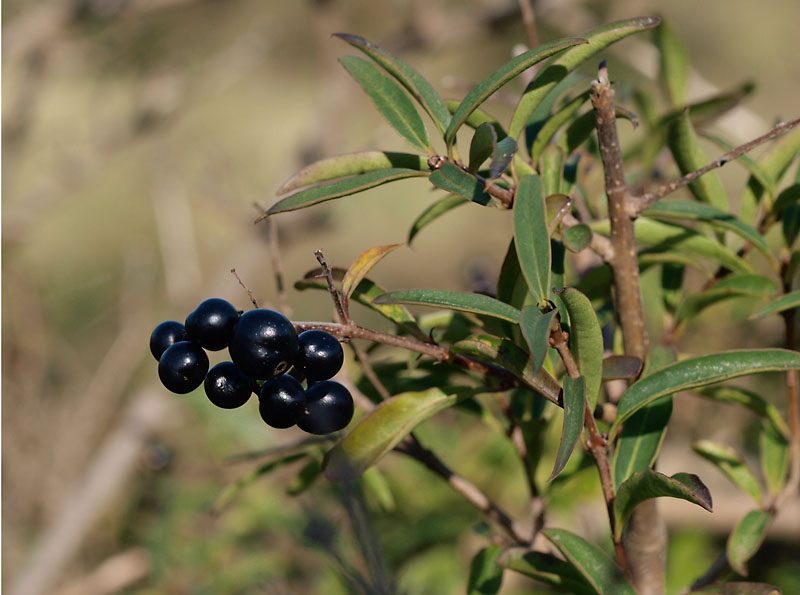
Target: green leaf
x: 305, y: 478
x: 477, y: 118
x: 376, y: 486
x: 552, y: 169
x: 774, y: 458
x: 339, y: 188
x: 737, y: 588
x: 579, y: 130
x: 749, y: 399
x: 746, y: 538
x: 744, y: 160
x: 586, y: 341
x: 383, y: 428
x: 574, y: 405
x: 361, y: 266
x: 647, y: 484
x: 729, y: 287
x: 419, y: 88
x: 701, y: 371
x: 788, y: 196
x: 390, y: 100
x: 616, y: 367
x: 500, y: 77
x: 554, y: 123
x: 231, y: 491
x: 577, y: 237
x: 784, y: 302
x: 454, y: 300
x: 640, y: 440
x: 547, y: 569
x: 483, y: 146
x: 485, y: 575
x: 352, y: 164
x: 774, y: 163
x: 544, y: 82
x: 454, y: 179
x: 531, y: 238
x: 674, y: 70
x: 731, y: 464
x: 433, y: 212
x: 503, y: 154
x: 591, y: 562
x: 535, y: 326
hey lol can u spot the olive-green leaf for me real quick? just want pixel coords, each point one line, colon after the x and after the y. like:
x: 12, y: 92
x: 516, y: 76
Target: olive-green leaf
x: 749, y: 399
x: 784, y: 302
x: 544, y: 82
x: 413, y: 81
x: 339, y: 188
x: 503, y: 155
x: 731, y: 464
x: 547, y: 569
x: 454, y: 300
x: 586, y: 340
x: 689, y: 155
x: 640, y: 440
x: 577, y: 237
x: 482, y: 146
x: 351, y: 164
x: 737, y: 588
x: 748, y: 285
x: 305, y: 478
x: 701, y: 371
x: 674, y: 67
x: 616, y: 367
x: 390, y: 100
x: 485, y: 575
x: 774, y: 458
x: 574, y: 406
x: 477, y: 118
x: 554, y: 123
x: 647, y: 484
x: 535, y: 326
x: 433, y: 212
x: 531, y: 238
x: 500, y: 77
x: 552, y: 169
x: 383, y: 428
x: 746, y: 538
x: 591, y: 562
x: 454, y: 179
x: 362, y: 265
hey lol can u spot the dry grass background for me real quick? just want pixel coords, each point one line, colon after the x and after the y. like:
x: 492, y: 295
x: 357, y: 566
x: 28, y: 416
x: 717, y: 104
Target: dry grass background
x: 136, y: 137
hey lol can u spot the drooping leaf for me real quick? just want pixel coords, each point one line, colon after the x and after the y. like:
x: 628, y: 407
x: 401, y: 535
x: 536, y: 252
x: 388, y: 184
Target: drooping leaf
x: 433, y: 212
x: 554, y: 123
x: 574, y: 405
x: 746, y: 538
x: 548, y: 569
x: 503, y: 155
x: 454, y: 300
x: 591, y: 562
x: 485, y: 575
x: 733, y: 286
x: 454, y: 179
x: 383, y: 428
x: 482, y: 146
x: 780, y: 304
x: 775, y: 458
x: 535, y: 326
x: 531, y: 238
x: 362, y: 265
x: 339, y: 188
x: 701, y: 371
x: 483, y: 90
x: 546, y: 80
x: 640, y: 440
x: 231, y: 491
x: 731, y: 464
x: 577, y: 237
x: 616, y: 367
x: 737, y: 588
x: 419, y: 88
x: 674, y: 69
x: 749, y: 399
x: 351, y: 164
x: 391, y: 101
x: 647, y: 484
x: 586, y: 340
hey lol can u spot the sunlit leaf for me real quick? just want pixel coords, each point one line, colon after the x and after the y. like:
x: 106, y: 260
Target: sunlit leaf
x: 674, y: 71
x: 775, y: 458
x: 554, y: 123
x: 746, y: 538
x: 454, y: 179
x: 731, y: 464
x: 433, y: 212
x: 574, y: 406
x: 362, y: 265
x: 737, y: 588
x: 531, y: 238
x: 504, y: 152
x: 781, y: 304
x: 749, y: 399
x: 454, y: 300
x: 552, y: 169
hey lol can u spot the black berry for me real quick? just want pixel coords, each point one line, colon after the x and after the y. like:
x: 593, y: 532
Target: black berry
x: 164, y: 335
x: 329, y: 408
x: 183, y: 367
x: 264, y: 343
x: 227, y: 386
x: 211, y: 323
x: 281, y: 401
x: 321, y: 355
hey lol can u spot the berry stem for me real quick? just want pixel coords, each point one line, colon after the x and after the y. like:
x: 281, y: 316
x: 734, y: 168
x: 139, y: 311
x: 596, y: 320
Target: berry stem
x: 342, y: 314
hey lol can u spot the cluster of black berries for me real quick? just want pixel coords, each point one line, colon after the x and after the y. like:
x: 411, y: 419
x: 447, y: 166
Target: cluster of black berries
x: 268, y: 358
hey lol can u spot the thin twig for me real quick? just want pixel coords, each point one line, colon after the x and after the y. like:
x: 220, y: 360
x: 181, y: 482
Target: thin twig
x: 529, y: 18
x: 277, y: 269
x: 505, y: 196
x: 369, y: 372
x: 246, y: 288
x: 343, y: 316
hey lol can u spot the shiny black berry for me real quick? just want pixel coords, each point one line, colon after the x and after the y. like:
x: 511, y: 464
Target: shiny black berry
x: 329, y: 408
x: 264, y: 343
x: 281, y: 401
x: 211, y: 323
x: 321, y: 355
x: 227, y: 386
x: 183, y: 367
x: 164, y: 335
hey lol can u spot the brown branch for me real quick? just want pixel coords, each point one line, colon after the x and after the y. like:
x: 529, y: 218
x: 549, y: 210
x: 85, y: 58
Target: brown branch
x: 505, y: 196
x: 369, y: 372
x: 250, y: 295
x: 341, y: 313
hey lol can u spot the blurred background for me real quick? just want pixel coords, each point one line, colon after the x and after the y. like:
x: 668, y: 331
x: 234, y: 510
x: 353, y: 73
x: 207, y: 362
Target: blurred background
x: 140, y: 139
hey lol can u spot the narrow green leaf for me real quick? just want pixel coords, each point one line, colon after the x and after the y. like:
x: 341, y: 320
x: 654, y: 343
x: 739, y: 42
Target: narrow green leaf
x: 433, y: 212
x: 454, y: 179
x: 574, y: 405
x: 577, y: 237
x: 351, y: 164
x: 591, y: 562
x: 746, y: 538
x: 731, y: 464
x: 554, y: 124
x: 531, y: 238
x: 454, y: 300
x: 702, y: 371
x: 377, y: 489
x: 552, y: 169
x: 774, y: 163
x: 788, y: 196
x: 547, y: 569
x: 674, y: 71
x: 477, y: 118
x: 231, y: 491
x: 580, y: 129
x: 640, y: 440
x: 737, y: 588
x: 485, y: 575
x: 419, y: 88
x: 647, y: 484
x: 774, y: 458
x: 535, y: 326
x: 383, y: 428
x: 544, y: 82
x: 730, y: 287
x: 784, y: 302
x: 305, y: 478
x: 503, y: 155
x: 339, y: 188
x: 482, y: 146
x: 390, y: 100
x: 616, y: 367
x: 749, y: 399
x: 483, y: 90
x: 362, y: 265
x: 586, y: 341
x: 745, y: 160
